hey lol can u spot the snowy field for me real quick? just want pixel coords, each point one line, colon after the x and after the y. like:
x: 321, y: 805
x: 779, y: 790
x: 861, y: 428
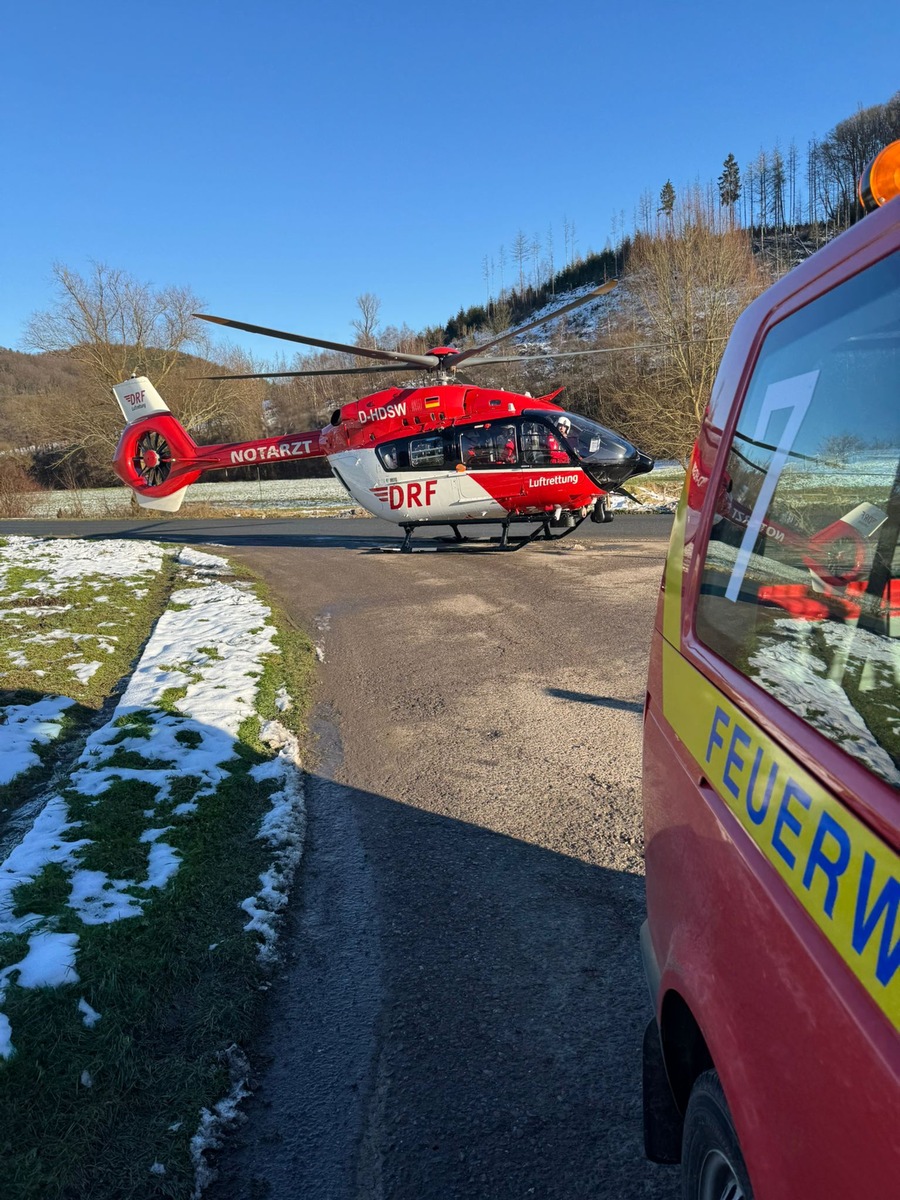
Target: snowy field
x: 113, y: 836
x: 311, y: 497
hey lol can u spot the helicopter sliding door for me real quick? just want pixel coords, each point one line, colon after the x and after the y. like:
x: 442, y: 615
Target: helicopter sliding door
x: 420, y: 478
x: 490, y: 445
x: 523, y: 464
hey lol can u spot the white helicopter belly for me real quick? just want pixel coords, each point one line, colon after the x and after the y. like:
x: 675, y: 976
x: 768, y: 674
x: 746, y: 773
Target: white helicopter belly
x: 408, y: 496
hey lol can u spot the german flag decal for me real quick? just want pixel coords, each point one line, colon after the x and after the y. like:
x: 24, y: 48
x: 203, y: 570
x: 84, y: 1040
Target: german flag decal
x: 432, y: 402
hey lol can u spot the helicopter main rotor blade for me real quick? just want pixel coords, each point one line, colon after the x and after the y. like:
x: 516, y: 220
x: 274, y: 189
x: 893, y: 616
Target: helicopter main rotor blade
x: 429, y: 361
x: 294, y: 374
x: 468, y: 354
x: 530, y: 358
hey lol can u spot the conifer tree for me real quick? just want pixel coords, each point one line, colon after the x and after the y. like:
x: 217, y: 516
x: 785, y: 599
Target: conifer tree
x: 730, y: 187
x: 667, y: 199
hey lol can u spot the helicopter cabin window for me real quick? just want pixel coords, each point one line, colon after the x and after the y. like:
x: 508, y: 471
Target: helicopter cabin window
x: 389, y: 455
x: 427, y: 452
x: 490, y: 445
x: 801, y: 582
x: 540, y: 446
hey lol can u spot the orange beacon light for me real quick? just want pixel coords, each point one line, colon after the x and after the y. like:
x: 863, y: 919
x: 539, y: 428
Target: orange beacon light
x: 880, y: 181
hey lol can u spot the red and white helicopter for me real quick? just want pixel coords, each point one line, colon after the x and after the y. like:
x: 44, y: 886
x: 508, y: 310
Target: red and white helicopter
x: 443, y: 452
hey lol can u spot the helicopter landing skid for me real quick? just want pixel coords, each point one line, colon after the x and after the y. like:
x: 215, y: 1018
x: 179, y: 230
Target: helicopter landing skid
x: 459, y: 542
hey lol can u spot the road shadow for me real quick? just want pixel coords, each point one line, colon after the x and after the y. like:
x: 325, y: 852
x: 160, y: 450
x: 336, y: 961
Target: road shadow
x: 458, y: 1014
x: 635, y: 706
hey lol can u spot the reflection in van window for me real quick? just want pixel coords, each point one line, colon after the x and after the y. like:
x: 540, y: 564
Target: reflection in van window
x: 801, y: 583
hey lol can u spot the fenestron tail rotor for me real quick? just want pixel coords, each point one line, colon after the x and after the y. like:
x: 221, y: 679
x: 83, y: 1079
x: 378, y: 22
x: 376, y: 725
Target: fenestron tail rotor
x: 152, y: 458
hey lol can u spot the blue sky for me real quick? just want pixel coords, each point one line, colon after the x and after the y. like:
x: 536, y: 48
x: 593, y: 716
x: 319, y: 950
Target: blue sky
x: 280, y: 159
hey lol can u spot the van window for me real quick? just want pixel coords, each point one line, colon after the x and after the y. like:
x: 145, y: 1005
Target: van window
x: 801, y: 583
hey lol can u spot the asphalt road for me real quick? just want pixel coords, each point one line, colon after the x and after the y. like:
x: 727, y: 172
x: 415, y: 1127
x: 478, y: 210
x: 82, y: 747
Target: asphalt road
x: 460, y: 1009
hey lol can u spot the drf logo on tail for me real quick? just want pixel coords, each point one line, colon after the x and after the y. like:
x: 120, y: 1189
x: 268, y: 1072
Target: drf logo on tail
x: 409, y: 495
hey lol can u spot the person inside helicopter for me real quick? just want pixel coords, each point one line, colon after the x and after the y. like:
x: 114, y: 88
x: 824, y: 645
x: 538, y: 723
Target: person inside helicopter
x: 507, y: 445
x: 491, y: 445
x: 606, y: 456
x: 558, y: 453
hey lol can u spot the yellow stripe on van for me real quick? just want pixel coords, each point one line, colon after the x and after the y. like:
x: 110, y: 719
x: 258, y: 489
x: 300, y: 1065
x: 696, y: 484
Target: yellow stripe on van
x: 843, y: 875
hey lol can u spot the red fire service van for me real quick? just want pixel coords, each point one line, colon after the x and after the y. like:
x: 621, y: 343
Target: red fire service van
x: 772, y: 749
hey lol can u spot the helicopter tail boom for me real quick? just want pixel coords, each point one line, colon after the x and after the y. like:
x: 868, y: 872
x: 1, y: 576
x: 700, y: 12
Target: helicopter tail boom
x: 159, y: 460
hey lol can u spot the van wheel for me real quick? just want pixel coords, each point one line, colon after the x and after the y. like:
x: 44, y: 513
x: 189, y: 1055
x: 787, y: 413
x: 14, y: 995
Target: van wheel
x: 712, y: 1166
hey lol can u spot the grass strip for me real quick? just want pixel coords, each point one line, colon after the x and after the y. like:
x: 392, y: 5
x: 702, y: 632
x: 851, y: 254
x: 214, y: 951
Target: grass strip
x: 108, y: 1108
x: 73, y: 634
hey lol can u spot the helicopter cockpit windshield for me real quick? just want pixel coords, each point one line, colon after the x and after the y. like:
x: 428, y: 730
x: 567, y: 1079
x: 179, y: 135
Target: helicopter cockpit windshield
x: 606, y: 456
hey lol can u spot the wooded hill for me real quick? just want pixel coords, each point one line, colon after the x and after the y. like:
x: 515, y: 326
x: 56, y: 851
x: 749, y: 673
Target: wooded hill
x: 687, y: 267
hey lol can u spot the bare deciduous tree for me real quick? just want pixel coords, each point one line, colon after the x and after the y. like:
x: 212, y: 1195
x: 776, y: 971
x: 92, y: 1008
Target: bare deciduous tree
x: 114, y: 326
x: 520, y: 251
x: 366, y: 323
x: 845, y: 152
x: 691, y: 286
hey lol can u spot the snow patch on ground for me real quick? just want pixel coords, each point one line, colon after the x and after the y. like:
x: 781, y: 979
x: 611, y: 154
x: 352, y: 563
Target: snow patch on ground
x: 64, y: 561
x: 215, y: 1122
x: 194, y: 686
x: 48, y: 962
x: 89, y: 1015
x: 283, y: 829
x: 24, y: 726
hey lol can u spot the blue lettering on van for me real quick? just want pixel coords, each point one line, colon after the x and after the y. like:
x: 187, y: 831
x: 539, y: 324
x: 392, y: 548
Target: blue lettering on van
x: 866, y: 920
x: 779, y: 806
x: 715, y: 738
x: 832, y: 868
x: 758, y: 814
x: 734, y: 759
x: 791, y: 820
